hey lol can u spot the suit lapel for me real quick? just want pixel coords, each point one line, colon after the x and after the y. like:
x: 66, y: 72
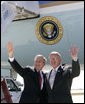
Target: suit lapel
x: 48, y: 85
x: 58, y: 77
x: 47, y: 81
x: 36, y: 78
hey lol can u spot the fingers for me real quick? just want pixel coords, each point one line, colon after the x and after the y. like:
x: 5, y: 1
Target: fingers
x: 9, y: 47
x: 78, y: 49
x: 73, y: 51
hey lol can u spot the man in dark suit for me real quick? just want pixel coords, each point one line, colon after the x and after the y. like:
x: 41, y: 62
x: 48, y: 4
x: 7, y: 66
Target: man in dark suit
x: 59, y: 80
x: 34, y: 79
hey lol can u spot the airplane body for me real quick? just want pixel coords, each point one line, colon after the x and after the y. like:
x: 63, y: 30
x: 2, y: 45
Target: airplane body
x: 26, y: 44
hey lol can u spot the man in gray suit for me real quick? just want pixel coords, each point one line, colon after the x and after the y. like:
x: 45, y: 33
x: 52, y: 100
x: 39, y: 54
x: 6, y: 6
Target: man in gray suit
x: 59, y: 80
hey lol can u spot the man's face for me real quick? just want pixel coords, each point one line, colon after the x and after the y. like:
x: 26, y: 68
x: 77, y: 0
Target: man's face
x: 55, y: 60
x: 39, y: 63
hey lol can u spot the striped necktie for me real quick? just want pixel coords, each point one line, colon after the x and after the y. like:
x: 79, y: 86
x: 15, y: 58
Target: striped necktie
x: 40, y: 79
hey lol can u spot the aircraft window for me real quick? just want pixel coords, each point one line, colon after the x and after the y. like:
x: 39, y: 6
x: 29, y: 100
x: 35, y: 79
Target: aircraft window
x: 11, y: 85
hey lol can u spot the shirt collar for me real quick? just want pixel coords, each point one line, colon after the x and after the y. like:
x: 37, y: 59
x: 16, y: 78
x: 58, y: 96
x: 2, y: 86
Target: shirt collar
x: 57, y: 68
x: 39, y: 72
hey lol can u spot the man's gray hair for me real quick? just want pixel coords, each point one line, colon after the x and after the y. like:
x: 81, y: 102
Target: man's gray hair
x: 55, y: 53
x: 44, y: 59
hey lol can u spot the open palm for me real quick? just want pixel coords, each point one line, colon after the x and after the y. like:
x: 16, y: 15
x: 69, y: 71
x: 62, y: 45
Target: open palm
x: 10, y: 49
x: 74, y: 51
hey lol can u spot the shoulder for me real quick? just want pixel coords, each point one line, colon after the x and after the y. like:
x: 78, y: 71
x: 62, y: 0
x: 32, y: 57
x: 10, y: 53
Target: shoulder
x: 67, y: 69
x: 29, y: 68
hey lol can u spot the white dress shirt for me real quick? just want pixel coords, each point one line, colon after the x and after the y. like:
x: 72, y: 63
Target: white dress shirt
x: 11, y: 59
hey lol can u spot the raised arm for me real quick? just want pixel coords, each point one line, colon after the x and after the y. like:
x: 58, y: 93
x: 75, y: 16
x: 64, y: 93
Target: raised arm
x: 14, y: 63
x: 75, y: 61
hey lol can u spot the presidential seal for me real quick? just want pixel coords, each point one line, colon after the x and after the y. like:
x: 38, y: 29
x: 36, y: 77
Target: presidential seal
x: 49, y: 30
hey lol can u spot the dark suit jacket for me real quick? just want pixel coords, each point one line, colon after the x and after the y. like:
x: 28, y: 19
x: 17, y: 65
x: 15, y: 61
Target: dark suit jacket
x: 31, y: 92
x: 62, y: 84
